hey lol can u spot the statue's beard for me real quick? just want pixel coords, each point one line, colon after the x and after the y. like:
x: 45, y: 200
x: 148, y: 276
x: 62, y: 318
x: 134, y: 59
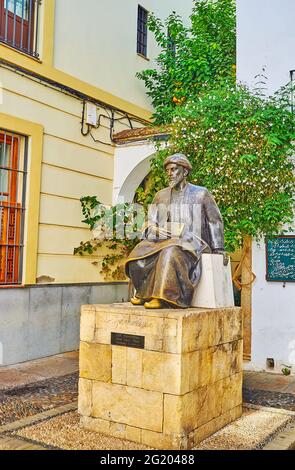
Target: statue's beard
x: 175, y: 182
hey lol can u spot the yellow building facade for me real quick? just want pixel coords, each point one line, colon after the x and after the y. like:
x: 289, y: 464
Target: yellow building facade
x: 55, y: 57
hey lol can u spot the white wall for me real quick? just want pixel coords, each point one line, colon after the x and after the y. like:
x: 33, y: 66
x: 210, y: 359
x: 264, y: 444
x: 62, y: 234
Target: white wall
x: 273, y: 316
x: 266, y: 38
x: 95, y: 40
x: 131, y: 166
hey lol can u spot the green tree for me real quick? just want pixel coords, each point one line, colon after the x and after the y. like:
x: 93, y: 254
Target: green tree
x: 241, y: 146
x: 191, y: 58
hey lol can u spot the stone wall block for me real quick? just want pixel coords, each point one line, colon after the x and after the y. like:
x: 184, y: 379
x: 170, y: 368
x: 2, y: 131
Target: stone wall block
x: 85, y: 395
x: 127, y: 405
x: 87, y: 323
x: 119, y: 365
x: 134, y: 367
x: 95, y: 361
x: 161, y: 372
x: 181, y: 413
x: 95, y: 425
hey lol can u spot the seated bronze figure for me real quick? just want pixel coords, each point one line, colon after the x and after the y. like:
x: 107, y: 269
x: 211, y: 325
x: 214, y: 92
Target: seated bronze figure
x: 183, y: 222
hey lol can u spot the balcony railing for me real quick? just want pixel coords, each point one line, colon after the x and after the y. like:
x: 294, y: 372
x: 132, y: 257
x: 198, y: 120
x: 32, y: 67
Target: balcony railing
x: 19, y: 22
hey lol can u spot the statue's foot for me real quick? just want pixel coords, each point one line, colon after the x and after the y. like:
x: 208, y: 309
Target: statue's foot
x: 154, y: 303
x: 137, y: 301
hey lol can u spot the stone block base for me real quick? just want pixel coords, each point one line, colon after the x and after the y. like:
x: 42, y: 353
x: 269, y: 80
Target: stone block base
x: 181, y: 387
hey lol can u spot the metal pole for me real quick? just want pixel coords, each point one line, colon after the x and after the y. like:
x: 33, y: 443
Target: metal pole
x: 22, y: 26
x: 6, y: 21
x: 14, y: 23
x: 30, y: 27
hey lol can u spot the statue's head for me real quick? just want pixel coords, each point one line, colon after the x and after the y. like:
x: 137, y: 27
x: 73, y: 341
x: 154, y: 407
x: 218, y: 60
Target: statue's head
x: 177, y: 167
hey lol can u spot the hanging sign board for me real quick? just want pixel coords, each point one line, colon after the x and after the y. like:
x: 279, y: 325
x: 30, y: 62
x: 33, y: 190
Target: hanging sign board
x: 280, y: 259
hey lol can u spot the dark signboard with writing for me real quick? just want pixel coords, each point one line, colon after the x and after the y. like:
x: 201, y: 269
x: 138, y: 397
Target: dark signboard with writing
x: 131, y: 341
x: 280, y: 259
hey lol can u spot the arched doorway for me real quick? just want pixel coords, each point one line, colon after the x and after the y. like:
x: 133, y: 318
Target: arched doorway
x: 132, y: 165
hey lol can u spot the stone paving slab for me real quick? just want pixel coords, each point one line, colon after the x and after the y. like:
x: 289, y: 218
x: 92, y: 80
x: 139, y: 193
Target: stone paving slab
x: 52, y: 367
x: 39, y: 369
x: 9, y: 443
x: 13, y: 378
x: 269, y: 381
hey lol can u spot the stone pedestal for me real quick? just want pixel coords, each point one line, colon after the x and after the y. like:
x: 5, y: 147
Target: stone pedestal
x: 184, y: 385
x: 215, y: 288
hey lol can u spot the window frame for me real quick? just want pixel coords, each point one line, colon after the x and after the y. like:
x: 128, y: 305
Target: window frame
x: 12, y: 213
x: 142, y: 32
x: 20, y: 33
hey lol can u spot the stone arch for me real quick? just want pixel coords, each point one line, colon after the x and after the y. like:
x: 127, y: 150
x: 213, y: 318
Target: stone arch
x: 131, y: 169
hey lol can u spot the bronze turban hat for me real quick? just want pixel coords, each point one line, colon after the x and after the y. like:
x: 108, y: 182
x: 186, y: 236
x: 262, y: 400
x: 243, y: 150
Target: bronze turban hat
x: 178, y: 159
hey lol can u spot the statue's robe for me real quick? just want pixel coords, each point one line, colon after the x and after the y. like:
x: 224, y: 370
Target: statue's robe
x: 169, y: 269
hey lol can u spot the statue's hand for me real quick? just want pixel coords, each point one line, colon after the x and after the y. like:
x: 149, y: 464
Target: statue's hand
x: 164, y: 234
x: 152, y: 233
x: 158, y: 233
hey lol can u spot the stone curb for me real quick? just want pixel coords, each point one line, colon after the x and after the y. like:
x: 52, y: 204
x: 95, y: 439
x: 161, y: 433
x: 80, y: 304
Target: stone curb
x: 10, y: 443
x: 284, y: 440
x: 280, y: 411
x: 38, y: 417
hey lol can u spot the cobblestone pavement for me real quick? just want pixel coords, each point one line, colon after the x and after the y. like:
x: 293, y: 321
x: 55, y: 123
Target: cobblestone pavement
x: 28, y: 400
x: 269, y: 398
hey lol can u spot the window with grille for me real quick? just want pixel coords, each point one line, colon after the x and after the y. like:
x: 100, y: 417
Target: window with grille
x: 19, y: 21
x: 142, y: 19
x: 12, y: 206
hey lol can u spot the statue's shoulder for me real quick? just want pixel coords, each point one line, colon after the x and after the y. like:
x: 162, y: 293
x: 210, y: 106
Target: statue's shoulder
x: 198, y: 190
x: 163, y: 194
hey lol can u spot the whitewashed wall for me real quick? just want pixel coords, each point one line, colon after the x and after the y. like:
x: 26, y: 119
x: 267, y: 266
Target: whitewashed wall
x: 131, y: 166
x: 266, y: 38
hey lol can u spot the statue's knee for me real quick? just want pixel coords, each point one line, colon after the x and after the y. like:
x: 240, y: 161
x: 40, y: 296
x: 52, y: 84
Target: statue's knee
x: 170, y: 251
x: 131, y: 268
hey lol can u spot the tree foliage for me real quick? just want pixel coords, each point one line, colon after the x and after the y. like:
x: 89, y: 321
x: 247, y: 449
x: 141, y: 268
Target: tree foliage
x: 240, y: 145
x: 115, y: 229
x: 203, y: 53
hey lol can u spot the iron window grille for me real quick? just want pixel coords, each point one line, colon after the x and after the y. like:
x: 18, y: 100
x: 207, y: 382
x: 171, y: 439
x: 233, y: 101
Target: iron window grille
x: 19, y: 23
x: 142, y: 19
x: 13, y: 173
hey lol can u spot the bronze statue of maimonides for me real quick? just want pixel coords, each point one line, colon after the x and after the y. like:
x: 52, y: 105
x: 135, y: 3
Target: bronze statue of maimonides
x: 184, y: 221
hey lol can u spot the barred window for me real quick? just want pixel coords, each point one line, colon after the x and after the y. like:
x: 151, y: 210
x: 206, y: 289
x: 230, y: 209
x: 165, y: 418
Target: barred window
x: 19, y: 20
x: 12, y: 206
x: 142, y: 19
